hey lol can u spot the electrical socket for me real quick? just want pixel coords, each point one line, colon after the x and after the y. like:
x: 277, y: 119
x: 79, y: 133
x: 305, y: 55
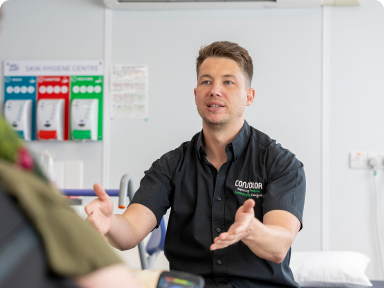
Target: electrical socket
x: 359, y: 159
x: 380, y: 158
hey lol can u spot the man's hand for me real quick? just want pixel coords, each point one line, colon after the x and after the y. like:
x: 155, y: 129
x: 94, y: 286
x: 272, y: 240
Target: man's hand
x: 243, y: 219
x: 270, y: 239
x: 100, y: 210
x: 123, y: 231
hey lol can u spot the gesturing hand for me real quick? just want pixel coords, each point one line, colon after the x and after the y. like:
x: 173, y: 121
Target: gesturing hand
x: 243, y: 219
x: 100, y: 210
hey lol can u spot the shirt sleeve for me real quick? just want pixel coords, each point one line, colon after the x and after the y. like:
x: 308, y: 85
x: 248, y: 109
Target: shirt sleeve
x: 286, y: 183
x: 155, y: 187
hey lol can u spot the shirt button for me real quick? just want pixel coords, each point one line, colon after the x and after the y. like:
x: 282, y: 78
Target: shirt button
x: 218, y: 198
x: 218, y: 230
x: 219, y: 262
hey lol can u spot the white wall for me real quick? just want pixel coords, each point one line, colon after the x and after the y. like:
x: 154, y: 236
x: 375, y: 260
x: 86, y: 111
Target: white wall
x: 357, y: 102
x: 286, y: 49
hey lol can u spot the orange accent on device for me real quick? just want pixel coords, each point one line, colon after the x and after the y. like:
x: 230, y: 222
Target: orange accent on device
x: 121, y: 206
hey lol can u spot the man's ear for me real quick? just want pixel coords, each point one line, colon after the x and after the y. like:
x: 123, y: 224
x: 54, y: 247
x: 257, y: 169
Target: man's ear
x: 250, y: 96
x: 194, y: 91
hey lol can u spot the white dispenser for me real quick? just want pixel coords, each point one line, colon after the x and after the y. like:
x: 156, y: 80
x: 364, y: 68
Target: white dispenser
x: 19, y: 115
x: 84, y: 119
x: 50, y: 119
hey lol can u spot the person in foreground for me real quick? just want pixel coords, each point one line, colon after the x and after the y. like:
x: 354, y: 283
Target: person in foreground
x: 43, y: 243
x: 237, y: 197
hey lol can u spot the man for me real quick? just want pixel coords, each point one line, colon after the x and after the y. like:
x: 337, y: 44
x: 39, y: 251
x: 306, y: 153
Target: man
x: 237, y: 197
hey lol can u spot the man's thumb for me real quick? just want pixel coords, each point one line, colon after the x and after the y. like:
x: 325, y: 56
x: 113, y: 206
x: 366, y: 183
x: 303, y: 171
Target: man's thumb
x: 249, y: 204
x: 100, y: 192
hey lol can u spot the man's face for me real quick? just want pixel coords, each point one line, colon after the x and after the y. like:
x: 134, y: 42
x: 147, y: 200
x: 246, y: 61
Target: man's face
x: 221, y: 94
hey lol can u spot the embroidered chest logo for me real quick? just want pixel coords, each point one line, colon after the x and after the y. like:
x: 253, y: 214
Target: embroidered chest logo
x: 248, y: 189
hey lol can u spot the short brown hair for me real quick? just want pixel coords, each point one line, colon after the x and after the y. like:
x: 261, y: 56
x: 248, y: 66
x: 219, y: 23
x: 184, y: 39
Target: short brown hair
x: 229, y: 50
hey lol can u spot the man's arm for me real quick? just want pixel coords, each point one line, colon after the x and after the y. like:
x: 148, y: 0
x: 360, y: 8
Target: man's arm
x: 124, y: 231
x: 269, y: 240
x: 132, y: 227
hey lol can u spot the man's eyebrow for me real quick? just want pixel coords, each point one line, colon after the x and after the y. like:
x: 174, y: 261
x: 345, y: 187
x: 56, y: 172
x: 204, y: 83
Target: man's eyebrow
x: 205, y: 75
x: 209, y: 76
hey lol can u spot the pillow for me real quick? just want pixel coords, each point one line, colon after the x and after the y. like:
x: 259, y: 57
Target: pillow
x: 330, y: 269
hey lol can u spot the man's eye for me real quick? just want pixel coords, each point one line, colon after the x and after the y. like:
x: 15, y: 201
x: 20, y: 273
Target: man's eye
x: 228, y: 82
x: 206, y: 82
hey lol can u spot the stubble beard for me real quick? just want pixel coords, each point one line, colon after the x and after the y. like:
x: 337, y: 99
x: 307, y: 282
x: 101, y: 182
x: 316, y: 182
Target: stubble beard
x: 218, y: 126
x: 224, y: 122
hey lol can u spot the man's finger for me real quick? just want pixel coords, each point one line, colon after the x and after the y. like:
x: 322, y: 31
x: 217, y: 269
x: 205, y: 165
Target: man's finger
x: 218, y: 246
x: 225, y: 237
x: 224, y: 243
x: 100, y: 192
x: 88, y: 210
x: 222, y: 236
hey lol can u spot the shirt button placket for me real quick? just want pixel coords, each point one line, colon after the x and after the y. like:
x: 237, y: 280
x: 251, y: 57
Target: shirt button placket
x: 218, y: 224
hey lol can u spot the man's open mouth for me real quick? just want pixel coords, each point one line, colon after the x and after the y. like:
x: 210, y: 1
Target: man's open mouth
x: 215, y: 105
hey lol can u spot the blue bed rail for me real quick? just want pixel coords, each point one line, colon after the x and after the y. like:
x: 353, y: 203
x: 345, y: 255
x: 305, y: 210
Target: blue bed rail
x: 89, y: 192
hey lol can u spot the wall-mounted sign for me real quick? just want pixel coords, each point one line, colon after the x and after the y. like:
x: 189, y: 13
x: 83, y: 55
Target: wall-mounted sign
x: 53, y: 68
x: 129, y: 91
x: 67, y: 80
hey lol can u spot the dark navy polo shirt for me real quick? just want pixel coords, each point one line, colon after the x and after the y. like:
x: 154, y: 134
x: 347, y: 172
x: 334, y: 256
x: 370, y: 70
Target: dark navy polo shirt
x: 204, y: 202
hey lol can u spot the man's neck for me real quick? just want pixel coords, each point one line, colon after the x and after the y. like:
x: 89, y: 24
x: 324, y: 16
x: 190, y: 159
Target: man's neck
x: 215, y: 141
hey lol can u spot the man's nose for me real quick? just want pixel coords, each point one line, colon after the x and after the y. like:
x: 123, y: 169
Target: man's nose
x: 216, y: 90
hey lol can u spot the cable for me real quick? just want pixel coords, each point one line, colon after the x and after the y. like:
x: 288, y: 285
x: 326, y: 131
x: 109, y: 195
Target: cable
x: 373, y: 164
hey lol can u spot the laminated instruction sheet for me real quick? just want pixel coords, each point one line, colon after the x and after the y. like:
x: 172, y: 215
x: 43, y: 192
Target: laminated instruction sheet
x: 129, y: 91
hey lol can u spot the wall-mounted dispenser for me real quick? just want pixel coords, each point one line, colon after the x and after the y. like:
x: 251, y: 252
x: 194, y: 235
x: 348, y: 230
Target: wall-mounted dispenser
x: 56, y: 87
x: 50, y: 119
x: 19, y: 115
x: 84, y: 119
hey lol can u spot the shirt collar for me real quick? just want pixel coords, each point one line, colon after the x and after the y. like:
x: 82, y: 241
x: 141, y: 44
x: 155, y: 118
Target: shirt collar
x: 199, y: 146
x: 238, y: 144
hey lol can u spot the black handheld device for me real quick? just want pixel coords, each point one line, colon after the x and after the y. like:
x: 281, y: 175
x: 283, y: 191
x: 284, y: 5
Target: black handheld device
x: 177, y: 279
